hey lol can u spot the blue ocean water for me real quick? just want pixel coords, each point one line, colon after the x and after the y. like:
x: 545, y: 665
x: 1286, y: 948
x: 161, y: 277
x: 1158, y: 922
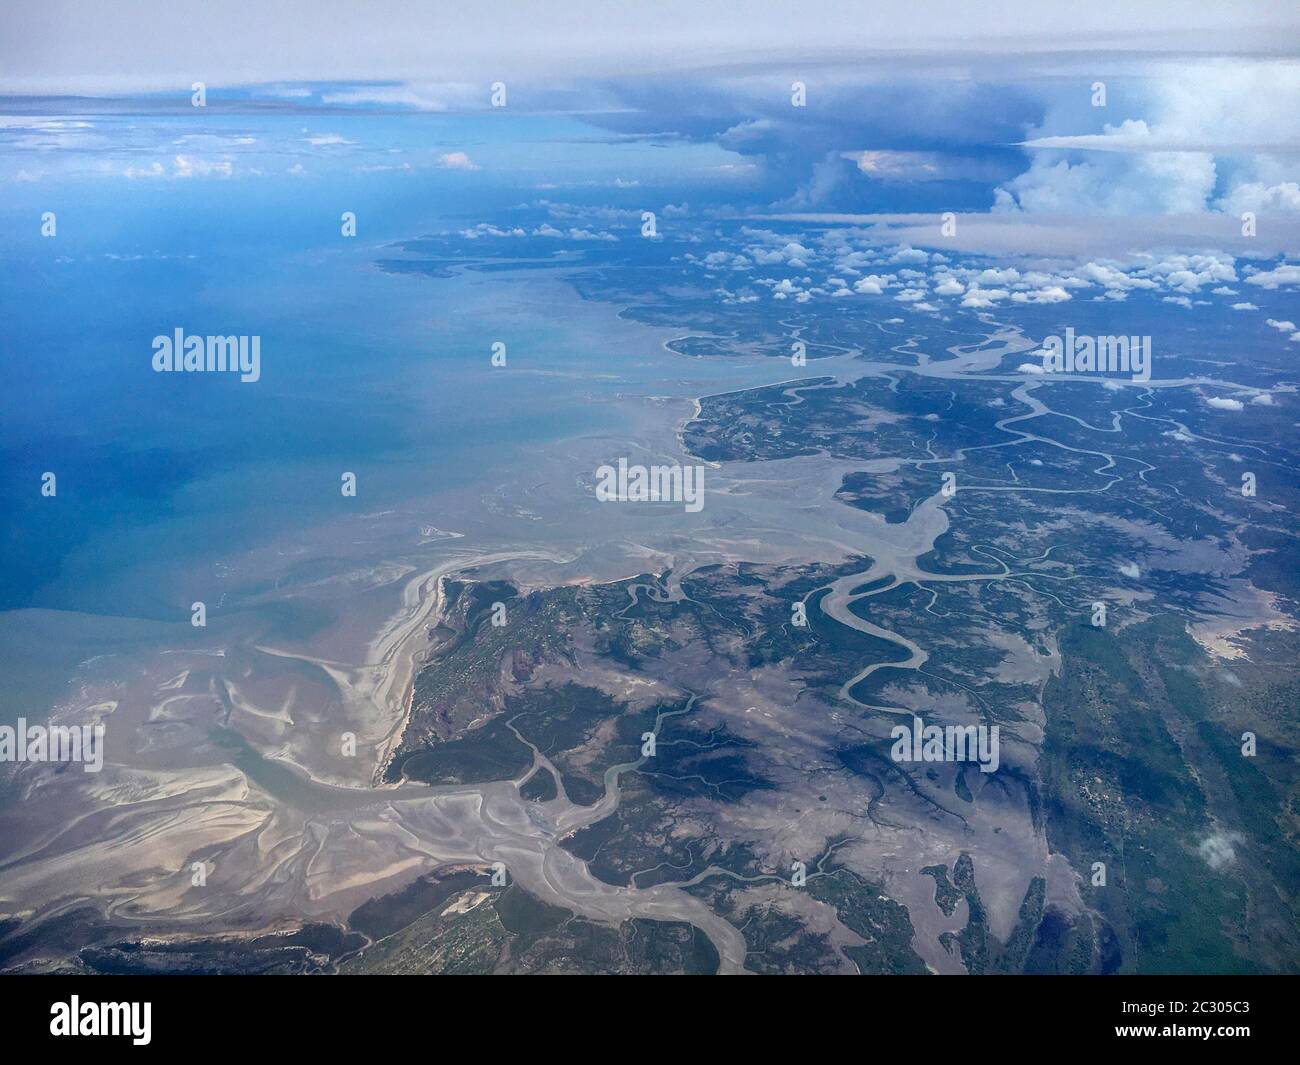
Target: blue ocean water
x: 360, y: 370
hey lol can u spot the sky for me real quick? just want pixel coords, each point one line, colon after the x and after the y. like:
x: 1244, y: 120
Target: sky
x: 911, y: 107
x: 62, y: 46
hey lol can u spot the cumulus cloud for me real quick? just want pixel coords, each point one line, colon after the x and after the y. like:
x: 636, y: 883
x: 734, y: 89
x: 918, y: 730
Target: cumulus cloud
x: 872, y: 284
x: 908, y: 254
x: 548, y: 230
x: 888, y: 165
x: 1199, y: 128
x: 188, y: 166
x: 1218, y: 849
x: 1224, y: 403
x: 1258, y: 197
x: 486, y: 229
x: 1159, y: 183
x: 1047, y: 294
x: 1285, y: 274
x: 456, y: 161
x: 855, y: 252
x: 1187, y: 273
x: 980, y: 298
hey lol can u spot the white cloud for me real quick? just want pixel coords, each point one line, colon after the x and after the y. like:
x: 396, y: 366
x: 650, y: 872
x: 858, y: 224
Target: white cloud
x: 1048, y: 294
x: 1285, y: 274
x: 1218, y: 850
x: 872, y: 284
x: 590, y: 234
x: 486, y: 229
x: 1159, y: 183
x: 977, y: 298
x: 907, y: 254
x: 456, y: 161
x: 419, y: 96
x: 187, y: 166
x: 897, y: 166
x: 1187, y: 273
x: 1203, y: 125
x: 1258, y: 197
x: 1224, y: 403
x: 153, y: 170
